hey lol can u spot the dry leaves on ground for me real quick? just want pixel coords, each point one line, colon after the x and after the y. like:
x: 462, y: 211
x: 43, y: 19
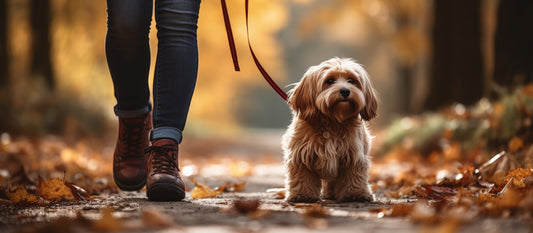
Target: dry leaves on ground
x: 204, y: 191
x: 50, y: 190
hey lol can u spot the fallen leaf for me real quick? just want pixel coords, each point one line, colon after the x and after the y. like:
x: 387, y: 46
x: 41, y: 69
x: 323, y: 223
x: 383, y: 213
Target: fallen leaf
x: 246, y: 205
x: 519, y: 174
x: 496, y: 169
x: 55, y: 190
x: 435, y: 191
x: 203, y: 191
x: 236, y: 187
x: 20, y: 196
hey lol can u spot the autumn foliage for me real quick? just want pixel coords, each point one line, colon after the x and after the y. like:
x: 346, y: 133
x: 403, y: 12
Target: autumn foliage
x: 461, y: 163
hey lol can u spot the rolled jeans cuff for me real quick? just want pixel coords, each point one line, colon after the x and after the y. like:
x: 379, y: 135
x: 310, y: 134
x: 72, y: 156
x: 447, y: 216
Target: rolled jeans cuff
x: 133, y: 113
x: 166, y: 132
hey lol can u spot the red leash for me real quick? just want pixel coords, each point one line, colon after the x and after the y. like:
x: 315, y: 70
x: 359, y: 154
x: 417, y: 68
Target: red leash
x: 230, y: 36
x: 231, y: 42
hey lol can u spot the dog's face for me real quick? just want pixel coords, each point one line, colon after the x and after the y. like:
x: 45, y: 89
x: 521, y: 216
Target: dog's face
x: 339, y: 89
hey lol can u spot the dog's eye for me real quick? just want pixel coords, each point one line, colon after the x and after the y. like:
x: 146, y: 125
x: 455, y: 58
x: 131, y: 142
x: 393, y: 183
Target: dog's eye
x: 330, y: 81
x: 355, y: 82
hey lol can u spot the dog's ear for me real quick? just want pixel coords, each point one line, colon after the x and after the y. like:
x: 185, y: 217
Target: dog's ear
x: 302, y: 97
x: 370, y: 109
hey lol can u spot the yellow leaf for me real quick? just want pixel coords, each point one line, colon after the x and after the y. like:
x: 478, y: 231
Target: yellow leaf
x: 54, y: 190
x: 203, y: 191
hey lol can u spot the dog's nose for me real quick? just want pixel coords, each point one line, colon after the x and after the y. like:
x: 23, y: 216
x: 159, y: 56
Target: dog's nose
x: 345, y: 92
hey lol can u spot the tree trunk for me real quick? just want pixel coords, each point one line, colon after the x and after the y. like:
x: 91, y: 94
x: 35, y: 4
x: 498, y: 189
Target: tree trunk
x: 457, y: 67
x: 4, y: 62
x: 513, y: 51
x: 41, y: 65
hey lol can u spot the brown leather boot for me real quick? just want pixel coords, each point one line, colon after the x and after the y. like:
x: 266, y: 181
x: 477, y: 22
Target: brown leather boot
x: 164, y: 182
x: 129, y: 163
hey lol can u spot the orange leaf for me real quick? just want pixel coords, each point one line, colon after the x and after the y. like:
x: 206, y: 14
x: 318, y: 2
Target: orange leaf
x: 237, y: 187
x: 20, y: 196
x: 54, y: 190
x: 203, y: 191
x: 518, y: 174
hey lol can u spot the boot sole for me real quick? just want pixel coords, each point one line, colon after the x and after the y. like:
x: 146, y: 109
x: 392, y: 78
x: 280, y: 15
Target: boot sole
x: 124, y: 187
x: 165, y: 192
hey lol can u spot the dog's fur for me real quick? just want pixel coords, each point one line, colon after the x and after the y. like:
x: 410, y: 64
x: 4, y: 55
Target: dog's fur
x: 327, y: 143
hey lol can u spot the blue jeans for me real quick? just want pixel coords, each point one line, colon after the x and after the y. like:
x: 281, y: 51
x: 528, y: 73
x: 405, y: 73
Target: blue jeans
x: 128, y: 58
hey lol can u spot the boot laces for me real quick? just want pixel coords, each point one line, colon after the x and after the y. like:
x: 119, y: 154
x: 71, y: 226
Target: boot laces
x: 163, y: 158
x: 133, y: 138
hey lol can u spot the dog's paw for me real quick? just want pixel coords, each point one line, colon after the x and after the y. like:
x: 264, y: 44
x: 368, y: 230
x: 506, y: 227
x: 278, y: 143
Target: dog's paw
x: 301, y: 199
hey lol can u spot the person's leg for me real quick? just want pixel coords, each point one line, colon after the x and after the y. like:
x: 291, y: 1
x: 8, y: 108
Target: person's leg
x: 176, y: 66
x: 128, y: 53
x: 128, y: 58
x: 174, y: 82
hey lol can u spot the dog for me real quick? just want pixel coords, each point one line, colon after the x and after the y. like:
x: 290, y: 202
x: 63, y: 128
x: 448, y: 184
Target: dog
x: 326, y: 146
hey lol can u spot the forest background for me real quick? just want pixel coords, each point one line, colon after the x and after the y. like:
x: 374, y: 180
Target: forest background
x: 421, y: 55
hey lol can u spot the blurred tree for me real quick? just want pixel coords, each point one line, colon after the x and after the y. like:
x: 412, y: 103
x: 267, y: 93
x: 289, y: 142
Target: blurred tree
x: 4, y: 67
x: 409, y: 44
x: 457, y: 67
x: 513, y: 62
x: 41, y: 63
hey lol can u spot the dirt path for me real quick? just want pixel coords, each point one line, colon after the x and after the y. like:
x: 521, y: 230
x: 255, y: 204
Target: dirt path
x: 132, y: 212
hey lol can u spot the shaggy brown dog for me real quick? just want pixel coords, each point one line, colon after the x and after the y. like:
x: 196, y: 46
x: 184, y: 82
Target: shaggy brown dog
x: 327, y: 144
